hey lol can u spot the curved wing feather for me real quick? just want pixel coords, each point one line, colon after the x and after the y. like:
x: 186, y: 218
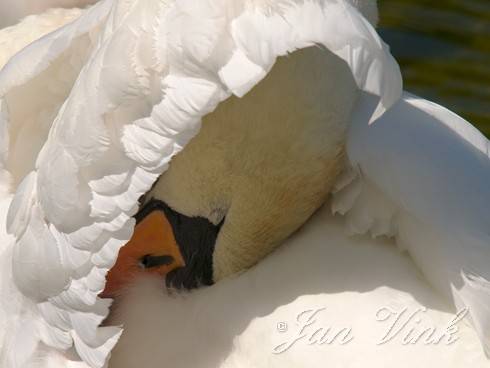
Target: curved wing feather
x: 420, y: 173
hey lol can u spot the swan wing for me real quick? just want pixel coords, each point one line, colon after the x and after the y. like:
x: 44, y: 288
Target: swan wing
x: 35, y: 82
x: 420, y: 174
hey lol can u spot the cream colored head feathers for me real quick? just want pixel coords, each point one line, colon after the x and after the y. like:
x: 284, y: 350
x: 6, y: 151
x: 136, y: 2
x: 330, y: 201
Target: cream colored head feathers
x: 264, y: 163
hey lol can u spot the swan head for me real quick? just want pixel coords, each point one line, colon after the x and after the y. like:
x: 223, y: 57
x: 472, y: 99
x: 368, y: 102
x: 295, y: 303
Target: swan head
x: 260, y: 166
x: 257, y: 170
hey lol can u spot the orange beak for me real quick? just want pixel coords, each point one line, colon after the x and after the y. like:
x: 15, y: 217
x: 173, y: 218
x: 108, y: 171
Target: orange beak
x: 152, y: 250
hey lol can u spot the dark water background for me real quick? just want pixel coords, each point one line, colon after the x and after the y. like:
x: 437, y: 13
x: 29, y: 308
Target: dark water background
x: 443, y: 47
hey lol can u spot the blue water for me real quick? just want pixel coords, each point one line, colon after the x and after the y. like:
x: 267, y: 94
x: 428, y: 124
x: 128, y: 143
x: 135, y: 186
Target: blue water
x: 443, y: 47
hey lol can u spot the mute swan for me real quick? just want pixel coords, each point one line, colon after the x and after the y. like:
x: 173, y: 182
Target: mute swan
x: 87, y: 132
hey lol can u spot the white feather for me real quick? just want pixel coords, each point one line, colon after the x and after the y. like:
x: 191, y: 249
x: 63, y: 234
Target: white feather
x: 424, y: 172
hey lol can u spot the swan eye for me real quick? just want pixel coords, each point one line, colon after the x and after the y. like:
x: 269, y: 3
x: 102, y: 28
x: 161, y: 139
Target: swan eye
x: 149, y: 261
x: 152, y: 250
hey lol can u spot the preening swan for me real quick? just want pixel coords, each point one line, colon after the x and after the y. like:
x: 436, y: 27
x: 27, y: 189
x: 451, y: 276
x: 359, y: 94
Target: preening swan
x: 243, y: 152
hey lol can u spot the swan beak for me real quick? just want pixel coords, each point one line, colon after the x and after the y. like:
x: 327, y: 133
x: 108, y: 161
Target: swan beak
x: 152, y: 250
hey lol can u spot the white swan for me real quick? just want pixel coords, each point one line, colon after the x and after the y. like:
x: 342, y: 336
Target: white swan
x: 87, y: 132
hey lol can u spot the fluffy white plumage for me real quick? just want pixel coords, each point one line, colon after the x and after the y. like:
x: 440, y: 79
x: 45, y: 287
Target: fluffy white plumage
x: 433, y: 177
x: 106, y: 127
x: 235, y: 323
